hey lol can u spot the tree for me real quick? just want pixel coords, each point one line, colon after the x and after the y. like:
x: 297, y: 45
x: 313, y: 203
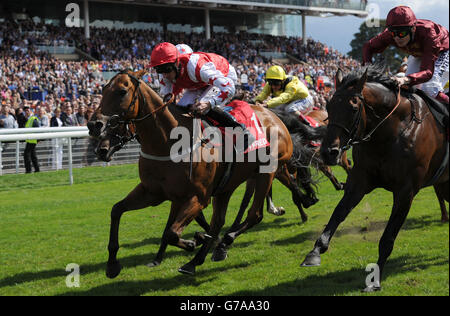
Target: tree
x: 391, y: 56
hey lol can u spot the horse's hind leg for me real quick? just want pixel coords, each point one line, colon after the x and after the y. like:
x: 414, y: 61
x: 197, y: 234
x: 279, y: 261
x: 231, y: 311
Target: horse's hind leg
x: 220, y: 204
x: 271, y: 208
x: 249, y: 190
x: 139, y: 198
x: 442, y: 194
x: 263, y: 183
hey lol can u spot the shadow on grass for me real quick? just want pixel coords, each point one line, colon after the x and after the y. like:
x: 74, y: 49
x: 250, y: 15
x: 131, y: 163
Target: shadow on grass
x: 343, y: 282
x: 126, y: 262
x: 134, y: 288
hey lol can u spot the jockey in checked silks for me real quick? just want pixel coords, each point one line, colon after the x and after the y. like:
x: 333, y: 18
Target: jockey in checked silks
x: 208, y: 81
x: 287, y: 91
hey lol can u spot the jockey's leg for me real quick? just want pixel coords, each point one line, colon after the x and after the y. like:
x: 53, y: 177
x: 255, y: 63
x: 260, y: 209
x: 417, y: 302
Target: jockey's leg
x: 224, y: 118
x: 435, y: 86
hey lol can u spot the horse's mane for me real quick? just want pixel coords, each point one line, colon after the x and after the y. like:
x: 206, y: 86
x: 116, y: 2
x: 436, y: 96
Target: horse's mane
x: 375, y: 73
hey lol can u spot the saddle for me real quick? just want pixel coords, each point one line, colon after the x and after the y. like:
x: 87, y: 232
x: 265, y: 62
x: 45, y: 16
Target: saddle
x: 309, y: 121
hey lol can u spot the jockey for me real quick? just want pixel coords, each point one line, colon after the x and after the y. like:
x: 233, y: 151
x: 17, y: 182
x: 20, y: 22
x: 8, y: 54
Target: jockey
x: 288, y: 90
x: 208, y: 79
x: 427, y: 44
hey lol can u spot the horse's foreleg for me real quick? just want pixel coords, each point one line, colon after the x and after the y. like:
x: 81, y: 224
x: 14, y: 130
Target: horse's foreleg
x: 220, y: 204
x: 441, y: 190
x: 345, y: 163
x: 181, y: 214
x: 354, y: 192
x: 400, y: 210
x: 326, y: 170
x: 139, y: 198
x: 297, y: 196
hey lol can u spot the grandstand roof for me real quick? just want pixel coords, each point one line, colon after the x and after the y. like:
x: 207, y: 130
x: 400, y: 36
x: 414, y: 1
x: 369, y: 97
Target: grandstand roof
x: 294, y: 7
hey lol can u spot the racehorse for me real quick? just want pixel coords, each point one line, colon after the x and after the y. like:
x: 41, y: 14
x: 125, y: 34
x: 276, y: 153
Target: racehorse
x: 397, y: 145
x: 127, y: 104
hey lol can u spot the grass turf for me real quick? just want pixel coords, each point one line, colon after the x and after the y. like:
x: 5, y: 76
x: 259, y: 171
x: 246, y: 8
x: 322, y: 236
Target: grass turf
x: 46, y: 224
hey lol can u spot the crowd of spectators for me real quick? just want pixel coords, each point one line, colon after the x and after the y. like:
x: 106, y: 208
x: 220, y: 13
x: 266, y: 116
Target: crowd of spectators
x: 74, y: 87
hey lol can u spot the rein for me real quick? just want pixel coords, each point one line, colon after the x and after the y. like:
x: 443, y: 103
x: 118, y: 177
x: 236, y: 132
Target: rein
x: 355, y: 125
x: 116, y: 120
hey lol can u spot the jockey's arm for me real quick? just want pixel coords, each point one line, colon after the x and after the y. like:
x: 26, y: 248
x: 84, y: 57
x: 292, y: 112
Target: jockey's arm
x: 210, y: 75
x: 376, y: 45
x: 165, y: 87
x: 430, y: 55
x: 291, y: 93
x: 264, y: 94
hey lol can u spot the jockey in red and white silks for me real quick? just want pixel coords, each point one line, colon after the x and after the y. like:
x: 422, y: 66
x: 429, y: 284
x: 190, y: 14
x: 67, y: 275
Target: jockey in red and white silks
x: 207, y: 81
x: 205, y: 77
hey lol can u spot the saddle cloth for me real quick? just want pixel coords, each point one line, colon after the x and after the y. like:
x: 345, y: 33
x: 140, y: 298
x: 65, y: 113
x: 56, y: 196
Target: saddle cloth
x: 244, y: 114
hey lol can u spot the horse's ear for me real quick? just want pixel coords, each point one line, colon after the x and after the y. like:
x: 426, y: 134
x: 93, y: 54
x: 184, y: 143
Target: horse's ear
x: 361, y: 82
x: 138, y: 74
x: 338, y: 78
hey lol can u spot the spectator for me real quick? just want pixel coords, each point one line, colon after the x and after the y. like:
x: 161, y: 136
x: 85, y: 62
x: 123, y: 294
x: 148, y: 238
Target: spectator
x: 43, y: 117
x: 6, y: 119
x: 80, y: 116
x: 29, y: 155
x: 57, y: 143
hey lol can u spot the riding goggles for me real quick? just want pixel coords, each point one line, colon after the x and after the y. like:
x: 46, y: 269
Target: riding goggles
x: 400, y: 32
x: 274, y: 82
x: 165, y: 68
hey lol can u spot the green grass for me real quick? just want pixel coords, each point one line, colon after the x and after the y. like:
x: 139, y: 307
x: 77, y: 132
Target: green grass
x: 45, y: 224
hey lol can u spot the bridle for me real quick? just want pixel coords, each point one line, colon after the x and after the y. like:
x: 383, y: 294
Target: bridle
x: 117, y: 120
x: 353, y: 130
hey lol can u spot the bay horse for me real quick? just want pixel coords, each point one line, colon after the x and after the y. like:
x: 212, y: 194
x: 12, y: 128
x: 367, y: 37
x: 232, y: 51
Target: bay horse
x: 128, y: 103
x: 397, y: 145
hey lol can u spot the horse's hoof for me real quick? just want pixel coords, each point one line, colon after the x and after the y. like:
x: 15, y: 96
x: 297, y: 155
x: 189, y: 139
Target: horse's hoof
x: 113, y: 270
x: 309, y: 202
x: 153, y: 264
x: 311, y: 260
x: 304, y: 219
x: 281, y: 211
x: 190, y: 245
x: 219, y: 254
x: 201, y: 238
x: 188, y: 268
x: 371, y: 289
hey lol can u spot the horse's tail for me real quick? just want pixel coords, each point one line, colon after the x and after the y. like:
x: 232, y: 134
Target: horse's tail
x: 304, y: 157
x: 295, y: 126
x: 301, y: 155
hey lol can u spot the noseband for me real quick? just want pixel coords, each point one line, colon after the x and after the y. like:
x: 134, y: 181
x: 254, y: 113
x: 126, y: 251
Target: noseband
x: 352, y: 132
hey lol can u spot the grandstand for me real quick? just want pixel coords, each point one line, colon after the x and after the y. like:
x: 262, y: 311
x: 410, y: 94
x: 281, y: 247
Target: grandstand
x: 46, y: 64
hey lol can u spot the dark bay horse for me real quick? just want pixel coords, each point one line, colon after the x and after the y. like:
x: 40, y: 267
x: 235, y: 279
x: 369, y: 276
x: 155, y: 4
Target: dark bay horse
x: 128, y: 101
x: 397, y: 145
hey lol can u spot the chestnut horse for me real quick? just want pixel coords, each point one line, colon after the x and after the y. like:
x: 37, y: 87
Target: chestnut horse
x: 397, y: 145
x: 127, y: 100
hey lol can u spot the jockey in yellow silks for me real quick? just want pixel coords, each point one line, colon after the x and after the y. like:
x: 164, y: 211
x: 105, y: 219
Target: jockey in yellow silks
x: 285, y: 90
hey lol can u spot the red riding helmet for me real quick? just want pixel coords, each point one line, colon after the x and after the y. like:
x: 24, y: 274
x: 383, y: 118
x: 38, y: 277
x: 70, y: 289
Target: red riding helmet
x: 164, y: 53
x: 401, y: 16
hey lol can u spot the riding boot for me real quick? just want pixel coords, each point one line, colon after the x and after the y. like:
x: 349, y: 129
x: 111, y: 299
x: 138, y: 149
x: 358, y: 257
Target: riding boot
x: 227, y: 120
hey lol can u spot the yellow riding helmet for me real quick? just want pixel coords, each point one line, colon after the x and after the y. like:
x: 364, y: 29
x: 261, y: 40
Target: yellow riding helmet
x: 276, y: 72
